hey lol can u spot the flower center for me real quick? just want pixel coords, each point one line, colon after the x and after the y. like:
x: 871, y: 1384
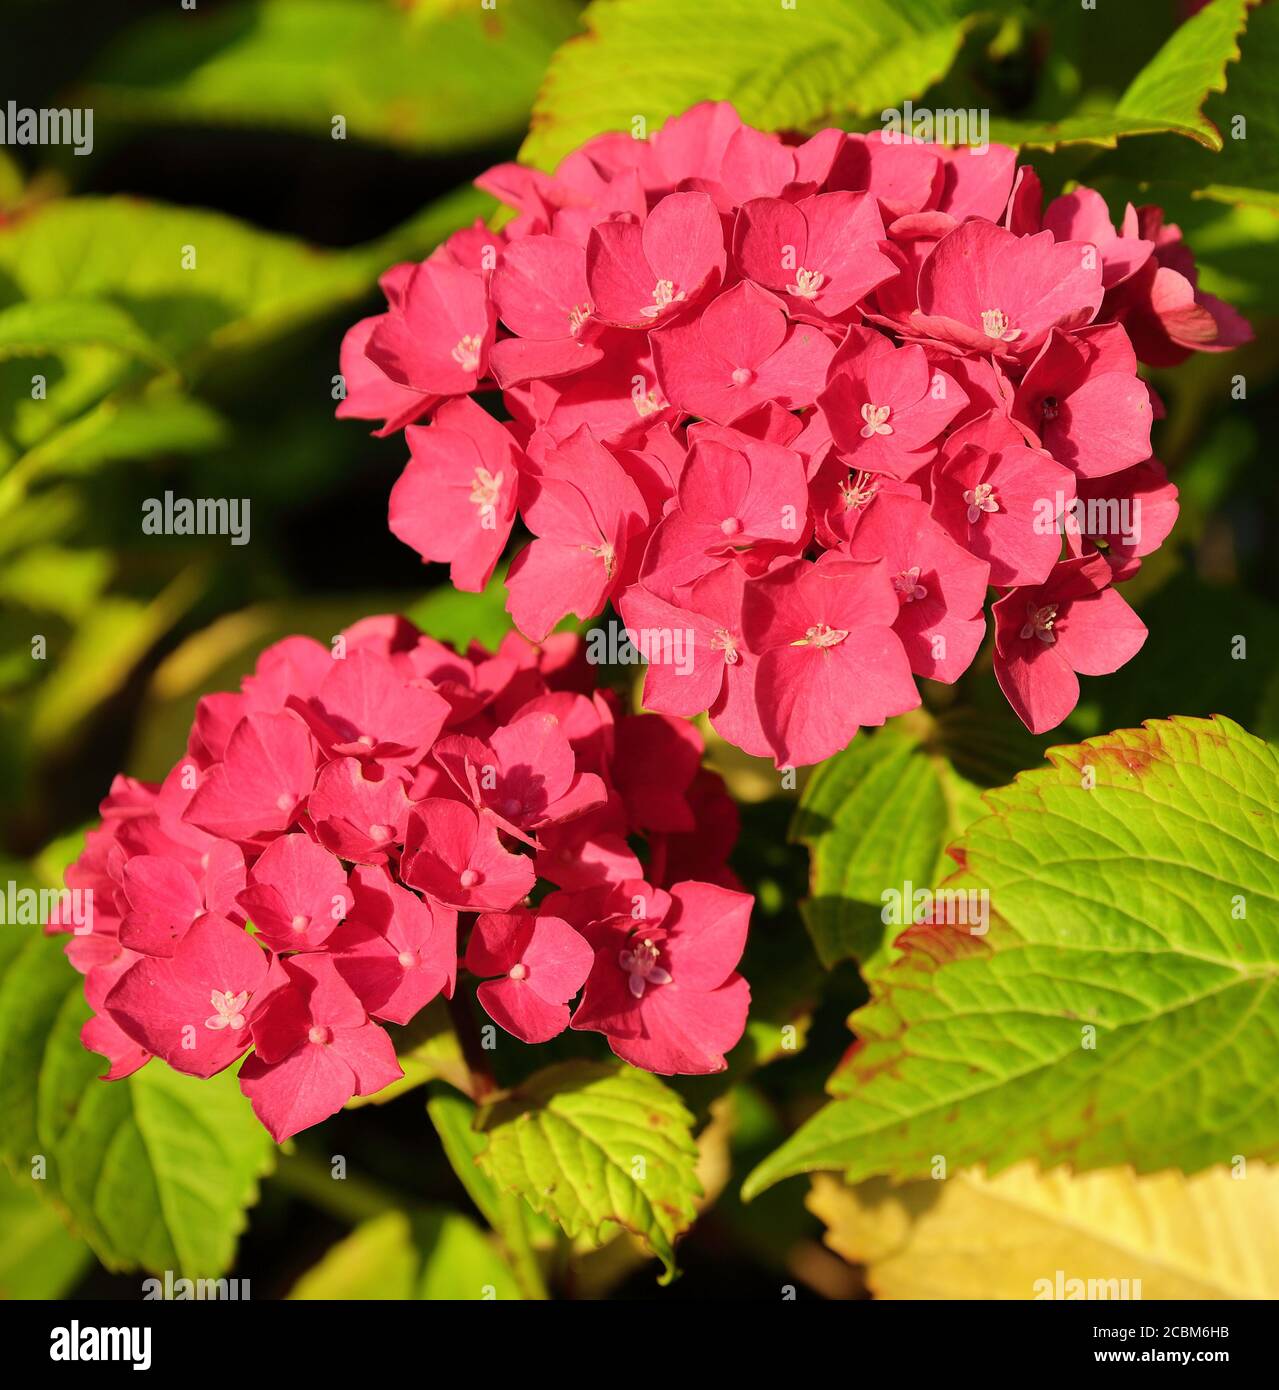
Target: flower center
x: 229, y: 1010
x: 858, y: 491
x: 807, y: 283
x: 980, y: 499
x: 1039, y: 622
x: 606, y: 552
x: 640, y: 963
x: 577, y: 317
x: 519, y: 971
x: 468, y: 878
x: 408, y: 959
x: 485, y: 490
x: 876, y: 418
x: 995, y: 324
x: 731, y: 526
x: 724, y: 641
x: 467, y: 352
x: 908, y: 586
x: 822, y: 635
x: 663, y: 294
x: 743, y: 376
x: 284, y: 802
x: 380, y: 832
x: 1050, y: 407
x: 300, y: 923
x: 319, y: 1035
x: 647, y: 402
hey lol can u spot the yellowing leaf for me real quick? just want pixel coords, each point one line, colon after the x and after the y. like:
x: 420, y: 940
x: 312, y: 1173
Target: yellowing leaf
x: 1010, y: 1236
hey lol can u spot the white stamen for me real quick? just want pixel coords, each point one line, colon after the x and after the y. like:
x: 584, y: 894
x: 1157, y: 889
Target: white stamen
x: 908, y: 586
x: 822, y: 635
x: 994, y: 323
x: 876, y: 417
x: 467, y: 353
x: 641, y: 965
x: 663, y: 294
x: 724, y: 641
x: 980, y: 499
x: 230, y: 1010
x: 807, y: 283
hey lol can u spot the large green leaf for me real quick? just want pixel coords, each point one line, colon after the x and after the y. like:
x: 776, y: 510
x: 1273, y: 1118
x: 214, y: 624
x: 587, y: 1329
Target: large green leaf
x: 431, y: 76
x: 1167, y: 95
x: 28, y: 329
x: 594, y: 1146
x: 1246, y: 171
x: 875, y: 817
x: 156, y: 1170
x: 781, y: 67
x: 432, y: 1254
x: 39, y: 1257
x: 1123, y: 1007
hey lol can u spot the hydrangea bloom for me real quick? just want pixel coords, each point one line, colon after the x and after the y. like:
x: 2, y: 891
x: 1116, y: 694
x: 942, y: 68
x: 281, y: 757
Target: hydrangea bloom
x: 310, y: 868
x: 802, y: 404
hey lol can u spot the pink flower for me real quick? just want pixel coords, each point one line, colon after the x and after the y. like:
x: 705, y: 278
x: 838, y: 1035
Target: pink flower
x: 887, y: 407
x: 397, y: 951
x: 542, y: 963
x: 696, y: 654
x: 985, y: 290
x: 584, y: 512
x: 365, y: 709
x: 1130, y: 512
x: 1166, y: 314
x: 297, y: 894
x: 257, y: 788
x: 940, y: 587
x: 663, y: 987
x: 740, y: 352
x: 454, y: 856
x: 639, y: 275
x: 1084, y: 400
x: 1045, y: 633
x: 820, y: 255
x: 359, y: 809
x: 314, y: 1048
x: 436, y: 337
x: 1001, y: 500
x: 526, y: 776
x: 733, y: 498
x: 829, y: 660
x: 455, y: 502
x: 542, y: 296
x: 194, y: 1008
x: 452, y: 781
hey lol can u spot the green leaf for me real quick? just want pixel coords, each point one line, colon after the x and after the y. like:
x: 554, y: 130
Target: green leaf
x: 39, y: 1258
x: 1246, y: 171
x: 156, y: 1170
x: 782, y: 68
x: 450, y: 615
x: 1167, y: 95
x: 516, y: 1224
x: 431, y: 77
x: 184, y: 275
x: 594, y: 1146
x: 876, y: 816
x: 30, y: 328
x: 433, y: 1254
x: 1123, y: 1008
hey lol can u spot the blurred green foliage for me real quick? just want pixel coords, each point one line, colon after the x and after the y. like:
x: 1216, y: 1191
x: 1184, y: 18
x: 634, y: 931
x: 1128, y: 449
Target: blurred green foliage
x: 170, y: 312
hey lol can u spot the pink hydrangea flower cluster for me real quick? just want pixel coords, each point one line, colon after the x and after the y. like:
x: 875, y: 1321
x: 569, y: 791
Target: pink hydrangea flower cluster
x: 306, y: 872
x: 803, y: 403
